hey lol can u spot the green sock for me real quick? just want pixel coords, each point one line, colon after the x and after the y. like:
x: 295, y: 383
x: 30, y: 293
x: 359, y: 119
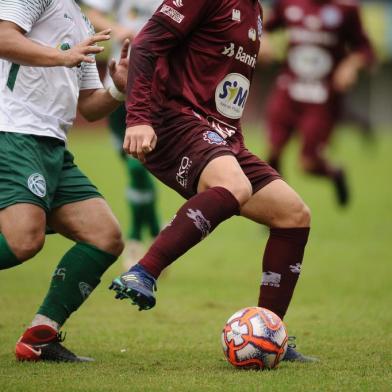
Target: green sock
x: 76, y: 276
x: 142, y: 200
x: 7, y: 257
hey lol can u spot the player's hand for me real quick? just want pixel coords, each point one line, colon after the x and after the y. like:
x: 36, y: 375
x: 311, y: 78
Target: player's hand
x: 267, y: 52
x: 139, y: 140
x: 346, y: 73
x: 82, y: 52
x: 120, y: 33
x: 119, y: 71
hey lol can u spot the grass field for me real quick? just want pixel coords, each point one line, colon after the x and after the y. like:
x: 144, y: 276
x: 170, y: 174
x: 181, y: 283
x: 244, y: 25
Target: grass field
x: 342, y: 310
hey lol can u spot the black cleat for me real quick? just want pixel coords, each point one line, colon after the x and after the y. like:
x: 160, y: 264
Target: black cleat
x: 43, y: 343
x: 341, y: 188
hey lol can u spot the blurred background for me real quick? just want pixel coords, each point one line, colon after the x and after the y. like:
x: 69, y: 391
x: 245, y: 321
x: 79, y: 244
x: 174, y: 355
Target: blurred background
x: 341, y: 311
x: 370, y: 100
x: 372, y: 95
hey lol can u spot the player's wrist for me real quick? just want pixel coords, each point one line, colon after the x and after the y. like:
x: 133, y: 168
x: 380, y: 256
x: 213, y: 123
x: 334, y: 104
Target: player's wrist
x: 115, y: 93
x: 57, y: 58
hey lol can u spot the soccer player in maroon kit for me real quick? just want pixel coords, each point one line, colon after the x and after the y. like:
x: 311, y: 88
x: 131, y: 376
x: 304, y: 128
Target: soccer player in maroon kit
x: 327, y: 48
x: 190, y: 73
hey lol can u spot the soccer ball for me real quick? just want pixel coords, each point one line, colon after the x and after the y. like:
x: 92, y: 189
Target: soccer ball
x: 254, y: 338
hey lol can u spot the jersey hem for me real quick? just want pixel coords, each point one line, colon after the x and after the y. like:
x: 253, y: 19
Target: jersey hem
x: 32, y: 133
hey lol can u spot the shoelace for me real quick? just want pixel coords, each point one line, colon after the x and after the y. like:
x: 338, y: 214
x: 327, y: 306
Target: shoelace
x: 61, y: 336
x: 292, y: 343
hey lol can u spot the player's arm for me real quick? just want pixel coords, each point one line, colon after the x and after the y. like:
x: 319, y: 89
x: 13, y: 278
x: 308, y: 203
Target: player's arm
x: 361, y: 53
x: 17, y: 48
x: 166, y: 29
x: 95, y: 104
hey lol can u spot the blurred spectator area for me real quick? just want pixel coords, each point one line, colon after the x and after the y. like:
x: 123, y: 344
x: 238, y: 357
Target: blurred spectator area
x: 370, y: 99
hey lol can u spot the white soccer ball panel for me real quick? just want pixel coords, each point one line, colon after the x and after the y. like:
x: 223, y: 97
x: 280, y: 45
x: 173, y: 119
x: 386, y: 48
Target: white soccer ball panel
x: 247, y: 352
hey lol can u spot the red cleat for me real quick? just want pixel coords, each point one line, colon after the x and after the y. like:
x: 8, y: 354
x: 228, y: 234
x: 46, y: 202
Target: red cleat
x: 43, y: 343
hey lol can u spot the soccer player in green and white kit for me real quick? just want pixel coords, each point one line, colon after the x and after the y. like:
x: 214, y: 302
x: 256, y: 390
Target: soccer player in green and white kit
x: 129, y: 17
x: 47, y: 71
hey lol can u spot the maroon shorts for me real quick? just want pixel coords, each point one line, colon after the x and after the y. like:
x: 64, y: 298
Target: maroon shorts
x: 314, y: 122
x: 184, y: 150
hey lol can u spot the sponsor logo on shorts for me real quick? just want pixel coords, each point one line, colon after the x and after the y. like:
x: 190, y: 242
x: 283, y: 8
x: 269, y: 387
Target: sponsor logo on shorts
x: 200, y: 222
x: 271, y: 279
x: 85, y: 289
x: 37, y: 185
x: 183, y: 171
x: 295, y: 268
x: 213, y: 138
x: 240, y: 54
x: 231, y: 95
x: 172, y: 13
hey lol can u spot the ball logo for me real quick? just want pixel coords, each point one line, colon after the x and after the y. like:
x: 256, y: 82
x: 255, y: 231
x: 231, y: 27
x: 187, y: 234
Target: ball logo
x: 231, y: 95
x: 37, y: 185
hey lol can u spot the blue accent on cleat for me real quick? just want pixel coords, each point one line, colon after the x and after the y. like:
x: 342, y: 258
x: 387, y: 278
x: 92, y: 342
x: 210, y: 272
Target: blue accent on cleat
x: 292, y: 355
x: 137, y: 285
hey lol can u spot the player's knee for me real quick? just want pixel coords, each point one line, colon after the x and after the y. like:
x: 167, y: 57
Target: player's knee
x: 241, y: 190
x: 109, y: 240
x: 300, y: 215
x: 29, y: 245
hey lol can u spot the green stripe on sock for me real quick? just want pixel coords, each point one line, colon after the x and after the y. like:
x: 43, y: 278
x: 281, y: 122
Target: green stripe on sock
x: 7, y: 257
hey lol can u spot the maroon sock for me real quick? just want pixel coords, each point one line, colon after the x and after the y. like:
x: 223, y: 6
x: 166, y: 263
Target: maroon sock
x: 197, y: 218
x: 281, y: 268
x: 322, y: 168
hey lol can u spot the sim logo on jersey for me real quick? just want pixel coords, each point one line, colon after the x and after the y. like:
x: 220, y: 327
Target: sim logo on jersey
x: 37, y: 185
x: 231, y: 95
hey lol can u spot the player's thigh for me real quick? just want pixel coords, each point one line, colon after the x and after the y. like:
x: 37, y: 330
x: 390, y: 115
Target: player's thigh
x: 80, y: 213
x: 277, y: 205
x: 23, y: 226
x: 280, y: 118
x: 226, y: 172
x: 90, y: 221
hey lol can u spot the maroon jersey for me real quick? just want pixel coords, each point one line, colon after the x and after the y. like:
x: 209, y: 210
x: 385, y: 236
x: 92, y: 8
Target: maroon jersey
x: 195, y: 58
x: 321, y: 33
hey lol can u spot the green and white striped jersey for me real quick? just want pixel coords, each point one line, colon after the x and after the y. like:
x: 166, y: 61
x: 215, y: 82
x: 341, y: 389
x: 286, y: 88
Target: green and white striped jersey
x: 38, y: 100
